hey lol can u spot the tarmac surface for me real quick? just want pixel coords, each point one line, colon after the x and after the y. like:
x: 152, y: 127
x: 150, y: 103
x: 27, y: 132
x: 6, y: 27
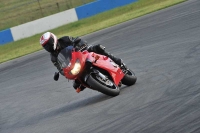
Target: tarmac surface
x: 162, y: 48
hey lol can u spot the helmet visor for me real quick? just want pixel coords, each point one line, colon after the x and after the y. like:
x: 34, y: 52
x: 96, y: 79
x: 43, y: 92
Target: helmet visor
x: 49, y: 46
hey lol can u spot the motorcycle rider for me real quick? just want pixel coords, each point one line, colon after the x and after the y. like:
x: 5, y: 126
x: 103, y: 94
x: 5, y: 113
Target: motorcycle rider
x: 53, y: 45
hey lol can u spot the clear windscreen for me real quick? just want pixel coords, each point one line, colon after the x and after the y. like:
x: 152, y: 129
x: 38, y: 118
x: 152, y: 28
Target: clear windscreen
x: 65, y: 56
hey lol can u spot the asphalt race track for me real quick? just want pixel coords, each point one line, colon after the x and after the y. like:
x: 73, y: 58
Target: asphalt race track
x: 163, y: 49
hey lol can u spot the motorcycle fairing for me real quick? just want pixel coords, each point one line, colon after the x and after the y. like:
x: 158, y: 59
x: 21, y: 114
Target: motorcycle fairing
x: 102, y: 62
x: 107, y: 64
x: 75, y: 56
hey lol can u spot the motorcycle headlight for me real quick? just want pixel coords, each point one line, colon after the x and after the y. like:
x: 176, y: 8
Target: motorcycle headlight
x: 77, y: 68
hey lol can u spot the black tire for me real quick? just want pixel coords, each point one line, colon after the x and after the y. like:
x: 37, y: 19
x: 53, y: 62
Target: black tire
x: 129, y: 79
x: 97, y: 85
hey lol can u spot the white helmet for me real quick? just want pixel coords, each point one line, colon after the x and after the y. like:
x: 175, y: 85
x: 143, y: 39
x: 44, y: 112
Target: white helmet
x: 49, y: 41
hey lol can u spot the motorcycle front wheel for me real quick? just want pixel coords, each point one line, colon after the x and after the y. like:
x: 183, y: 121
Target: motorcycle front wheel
x: 95, y: 83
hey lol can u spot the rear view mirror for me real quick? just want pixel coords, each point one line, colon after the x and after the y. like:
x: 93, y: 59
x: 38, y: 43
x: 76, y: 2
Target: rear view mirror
x: 56, y: 76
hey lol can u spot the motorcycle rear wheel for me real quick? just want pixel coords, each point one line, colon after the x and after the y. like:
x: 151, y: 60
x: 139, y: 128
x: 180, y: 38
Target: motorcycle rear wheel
x: 97, y: 85
x: 129, y: 79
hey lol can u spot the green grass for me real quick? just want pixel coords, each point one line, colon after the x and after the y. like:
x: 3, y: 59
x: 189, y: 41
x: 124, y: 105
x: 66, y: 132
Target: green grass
x: 86, y: 26
x: 16, y: 12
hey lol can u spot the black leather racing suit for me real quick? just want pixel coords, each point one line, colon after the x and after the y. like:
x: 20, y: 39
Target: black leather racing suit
x: 67, y: 41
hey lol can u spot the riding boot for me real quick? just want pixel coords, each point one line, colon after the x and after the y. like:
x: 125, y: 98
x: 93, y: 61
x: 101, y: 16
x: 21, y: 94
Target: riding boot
x: 77, y: 86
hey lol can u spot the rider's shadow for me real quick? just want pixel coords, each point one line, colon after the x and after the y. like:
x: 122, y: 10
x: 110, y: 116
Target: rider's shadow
x: 61, y: 110
x: 83, y: 103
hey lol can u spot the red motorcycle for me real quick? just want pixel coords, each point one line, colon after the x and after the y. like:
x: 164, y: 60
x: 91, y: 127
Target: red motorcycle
x: 94, y: 71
